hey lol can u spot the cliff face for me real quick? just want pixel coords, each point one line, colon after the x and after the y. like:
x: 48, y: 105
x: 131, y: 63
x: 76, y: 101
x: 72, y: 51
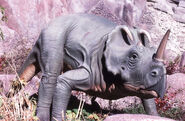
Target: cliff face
x: 25, y: 19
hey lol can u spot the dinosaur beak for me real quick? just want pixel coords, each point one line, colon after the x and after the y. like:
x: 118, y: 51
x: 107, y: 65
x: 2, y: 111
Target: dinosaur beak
x: 160, y: 87
x: 160, y: 51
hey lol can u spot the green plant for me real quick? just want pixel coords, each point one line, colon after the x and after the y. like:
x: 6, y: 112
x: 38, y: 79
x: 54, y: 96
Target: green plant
x: 166, y: 108
x: 85, y: 116
x: 3, y: 63
x: 2, y: 10
x: 81, y: 114
x: 137, y: 109
x: 173, y: 66
x: 173, y: 112
x: 3, y: 18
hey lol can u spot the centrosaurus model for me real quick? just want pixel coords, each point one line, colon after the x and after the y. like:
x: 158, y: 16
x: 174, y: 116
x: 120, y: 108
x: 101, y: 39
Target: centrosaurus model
x: 103, y: 59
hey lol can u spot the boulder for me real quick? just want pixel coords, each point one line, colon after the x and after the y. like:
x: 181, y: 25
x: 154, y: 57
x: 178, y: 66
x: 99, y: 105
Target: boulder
x: 5, y: 81
x: 176, y: 90
x: 120, y: 104
x: 128, y: 11
x: 164, y: 6
x: 27, y: 18
x: 182, y: 62
x: 135, y: 117
x: 182, y: 4
x: 30, y: 89
x: 179, y: 18
x: 179, y: 14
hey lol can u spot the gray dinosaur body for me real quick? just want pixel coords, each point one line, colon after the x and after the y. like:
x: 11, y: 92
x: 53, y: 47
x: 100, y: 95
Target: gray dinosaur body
x: 102, y: 59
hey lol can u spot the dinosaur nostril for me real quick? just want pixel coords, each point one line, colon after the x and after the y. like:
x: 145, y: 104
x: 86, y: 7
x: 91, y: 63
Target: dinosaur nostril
x: 123, y: 68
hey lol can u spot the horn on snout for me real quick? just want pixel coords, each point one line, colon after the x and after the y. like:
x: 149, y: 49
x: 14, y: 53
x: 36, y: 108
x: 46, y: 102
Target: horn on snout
x: 160, y: 51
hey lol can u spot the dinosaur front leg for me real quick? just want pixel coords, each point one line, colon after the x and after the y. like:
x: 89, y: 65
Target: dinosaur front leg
x: 74, y: 79
x: 46, y: 89
x: 52, y: 66
x: 150, y: 106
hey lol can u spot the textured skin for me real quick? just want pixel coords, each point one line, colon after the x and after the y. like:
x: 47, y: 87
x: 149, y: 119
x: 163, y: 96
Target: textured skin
x: 102, y: 58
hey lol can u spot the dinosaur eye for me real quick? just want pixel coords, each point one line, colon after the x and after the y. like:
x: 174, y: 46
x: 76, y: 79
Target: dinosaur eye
x: 134, y: 56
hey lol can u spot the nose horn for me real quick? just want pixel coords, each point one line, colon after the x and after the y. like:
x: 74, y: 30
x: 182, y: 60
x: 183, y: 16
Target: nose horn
x: 160, y: 51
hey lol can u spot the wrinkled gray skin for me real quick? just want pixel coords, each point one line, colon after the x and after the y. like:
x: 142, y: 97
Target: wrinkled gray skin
x: 102, y: 58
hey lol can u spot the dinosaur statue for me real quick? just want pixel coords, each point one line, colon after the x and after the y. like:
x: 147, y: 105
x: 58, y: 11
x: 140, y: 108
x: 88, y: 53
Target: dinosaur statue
x: 102, y: 59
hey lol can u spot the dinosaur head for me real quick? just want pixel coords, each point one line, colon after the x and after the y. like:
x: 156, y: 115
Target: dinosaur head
x: 140, y: 67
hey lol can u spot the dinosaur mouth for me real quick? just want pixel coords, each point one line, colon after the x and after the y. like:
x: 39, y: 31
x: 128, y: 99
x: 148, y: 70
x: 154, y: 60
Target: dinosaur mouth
x: 141, y: 91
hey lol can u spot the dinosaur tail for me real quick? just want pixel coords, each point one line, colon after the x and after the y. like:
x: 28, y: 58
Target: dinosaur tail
x: 31, y: 66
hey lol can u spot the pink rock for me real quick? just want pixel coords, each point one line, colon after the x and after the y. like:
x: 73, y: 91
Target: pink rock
x: 120, y: 104
x: 182, y: 62
x: 31, y: 87
x: 126, y: 10
x: 27, y: 18
x: 176, y: 90
x: 182, y: 4
x: 179, y: 14
x: 135, y: 117
x: 164, y: 6
x: 6, y: 80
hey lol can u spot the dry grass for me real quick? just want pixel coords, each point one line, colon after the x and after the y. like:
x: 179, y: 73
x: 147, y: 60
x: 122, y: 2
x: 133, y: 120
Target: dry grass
x: 17, y: 108
x: 21, y: 108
